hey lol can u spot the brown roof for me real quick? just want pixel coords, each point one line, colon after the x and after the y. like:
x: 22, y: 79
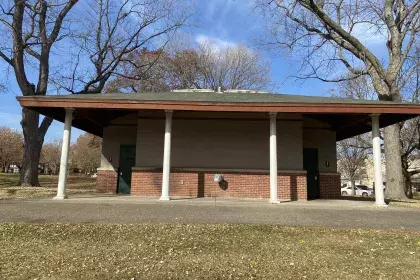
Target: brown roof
x: 347, y: 117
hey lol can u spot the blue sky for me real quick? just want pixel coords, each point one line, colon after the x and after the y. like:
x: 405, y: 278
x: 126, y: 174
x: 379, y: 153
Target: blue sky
x: 222, y: 22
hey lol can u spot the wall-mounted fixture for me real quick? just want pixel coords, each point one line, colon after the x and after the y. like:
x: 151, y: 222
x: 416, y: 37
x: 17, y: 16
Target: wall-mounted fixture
x: 327, y: 163
x: 110, y: 159
x: 218, y: 178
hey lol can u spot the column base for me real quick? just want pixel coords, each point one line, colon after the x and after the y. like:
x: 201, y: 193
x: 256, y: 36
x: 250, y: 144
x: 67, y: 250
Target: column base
x: 274, y: 201
x: 383, y: 204
x: 164, y: 198
x: 60, y: 197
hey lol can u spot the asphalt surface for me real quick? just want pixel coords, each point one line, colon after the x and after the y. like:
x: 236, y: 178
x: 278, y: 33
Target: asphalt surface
x: 151, y: 211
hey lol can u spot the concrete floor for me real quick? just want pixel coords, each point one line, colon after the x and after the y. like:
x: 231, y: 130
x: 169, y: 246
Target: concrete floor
x: 218, y: 201
x: 131, y: 209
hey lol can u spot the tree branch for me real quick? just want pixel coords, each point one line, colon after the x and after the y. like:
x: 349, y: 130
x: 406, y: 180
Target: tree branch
x: 8, y: 60
x: 45, y: 124
x: 59, y: 21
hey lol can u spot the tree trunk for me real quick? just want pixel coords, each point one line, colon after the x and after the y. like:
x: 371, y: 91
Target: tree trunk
x: 407, y: 177
x: 353, y: 187
x: 32, y: 148
x: 394, y: 175
x: 408, y: 188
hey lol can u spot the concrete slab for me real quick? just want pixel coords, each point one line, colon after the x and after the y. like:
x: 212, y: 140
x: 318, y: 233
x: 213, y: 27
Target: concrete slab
x: 129, y: 209
x: 319, y: 203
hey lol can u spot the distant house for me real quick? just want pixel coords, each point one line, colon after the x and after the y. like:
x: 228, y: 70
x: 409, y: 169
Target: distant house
x: 366, y: 175
x: 369, y: 179
x: 237, y: 144
x: 13, y: 168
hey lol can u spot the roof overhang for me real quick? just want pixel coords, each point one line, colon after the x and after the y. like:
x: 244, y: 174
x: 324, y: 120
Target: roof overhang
x: 347, y: 119
x: 374, y: 108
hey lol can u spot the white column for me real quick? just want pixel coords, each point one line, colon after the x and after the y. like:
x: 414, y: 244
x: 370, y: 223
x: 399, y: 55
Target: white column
x: 167, y: 156
x: 62, y: 179
x: 273, y: 159
x: 377, y: 161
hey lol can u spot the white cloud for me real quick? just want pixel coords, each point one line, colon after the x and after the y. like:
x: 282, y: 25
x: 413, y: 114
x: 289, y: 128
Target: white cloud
x: 216, y: 42
x: 370, y: 34
x: 225, y: 8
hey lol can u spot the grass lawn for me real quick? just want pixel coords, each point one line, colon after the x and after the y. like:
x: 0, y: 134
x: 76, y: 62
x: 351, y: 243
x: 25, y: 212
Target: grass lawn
x: 75, y: 185
x: 106, y: 251
x: 414, y: 202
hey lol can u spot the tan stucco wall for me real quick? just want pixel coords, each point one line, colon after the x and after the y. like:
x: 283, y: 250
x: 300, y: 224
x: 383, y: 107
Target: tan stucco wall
x: 325, y: 141
x: 219, y: 144
x: 113, y: 137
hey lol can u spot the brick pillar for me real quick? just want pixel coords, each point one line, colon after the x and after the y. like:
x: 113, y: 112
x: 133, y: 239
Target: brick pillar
x: 292, y: 186
x: 330, y: 185
x: 106, y: 182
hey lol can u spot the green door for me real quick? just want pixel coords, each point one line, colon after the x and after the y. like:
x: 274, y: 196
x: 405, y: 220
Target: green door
x: 310, y: 164
x: 127, y: 161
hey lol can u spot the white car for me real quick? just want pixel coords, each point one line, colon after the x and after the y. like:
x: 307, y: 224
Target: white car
x: 359, y: 190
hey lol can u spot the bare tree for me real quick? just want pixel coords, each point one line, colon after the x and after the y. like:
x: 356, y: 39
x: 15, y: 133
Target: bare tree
x: 410, y: 134
x: 324, y: 34
x: 410, y: 155
x: 50, y: 156
x: 354, y: 88
x: 362, y: 88
x: 2, y: 88
x: 232, y: 67
x: 207, y: 66
x: 102, y: 34
x: 352, y: 154
x: 31, y: 29
x: 122, y: 28
x: 87, y: 153
x: 162, y: 71
x: 11, y: 147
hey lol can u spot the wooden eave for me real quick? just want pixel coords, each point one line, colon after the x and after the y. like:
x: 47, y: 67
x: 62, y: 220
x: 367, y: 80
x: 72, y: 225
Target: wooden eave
x: 346, y: 119
x: 320, y: 108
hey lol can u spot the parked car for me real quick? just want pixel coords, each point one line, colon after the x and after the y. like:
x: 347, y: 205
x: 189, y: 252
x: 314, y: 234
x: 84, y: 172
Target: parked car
x: 94, y: 175
x: 385, y: 190
x: 359, y: 190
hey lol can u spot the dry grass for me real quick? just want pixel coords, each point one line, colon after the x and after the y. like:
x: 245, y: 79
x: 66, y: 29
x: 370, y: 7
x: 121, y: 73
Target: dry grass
x: 106, y: 251
x: 415, y: 202
x: 75, y: 185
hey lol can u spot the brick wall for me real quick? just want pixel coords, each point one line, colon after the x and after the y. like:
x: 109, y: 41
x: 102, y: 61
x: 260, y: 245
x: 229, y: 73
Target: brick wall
x: 238, y: 184
x: 106, y: 182
x: 329, y: 185
x: 292, y: 186
x: 200, y: 184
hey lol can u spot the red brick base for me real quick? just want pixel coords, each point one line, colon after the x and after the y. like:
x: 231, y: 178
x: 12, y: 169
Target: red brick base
x: 237, y: 184
x: 330, y: 185
x: 106, y: 181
